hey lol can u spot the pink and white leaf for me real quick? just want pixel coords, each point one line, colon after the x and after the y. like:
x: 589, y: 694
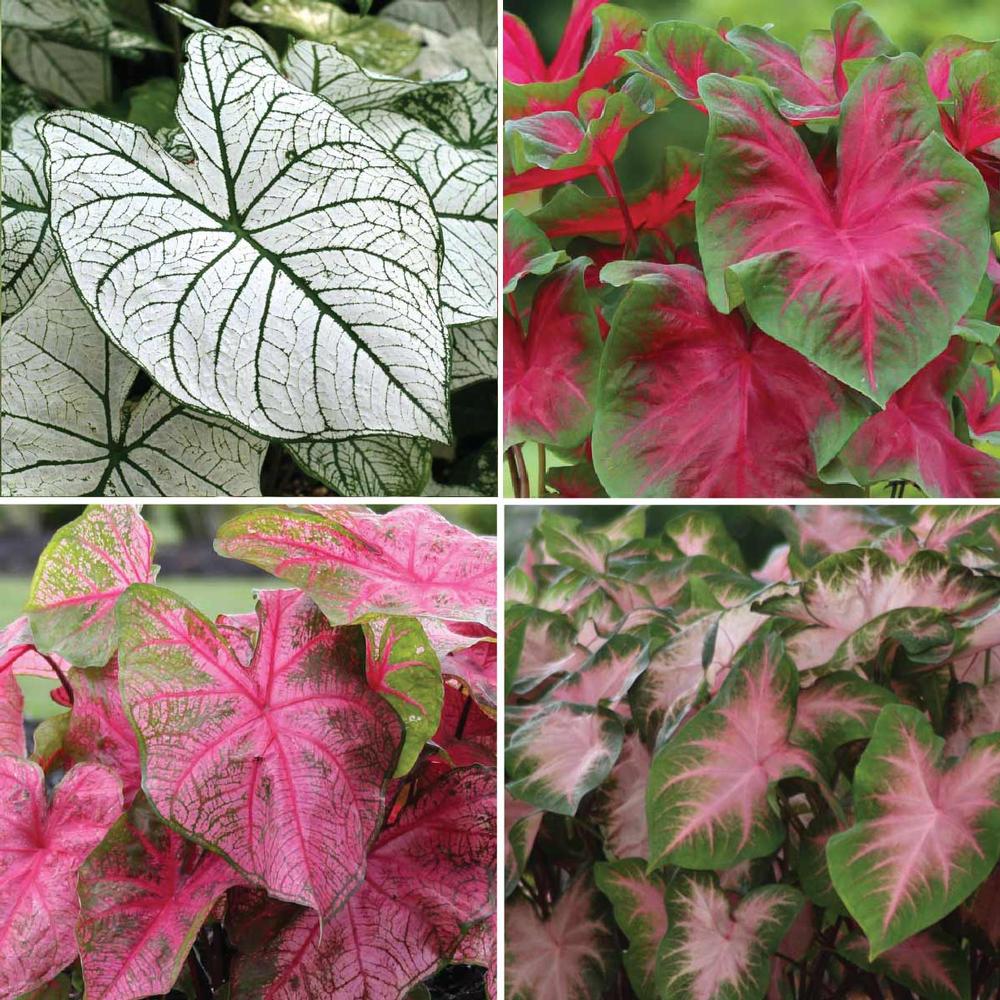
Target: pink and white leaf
x: 19, y: 654
x: 11, y: 715
x: 521, y: 823
x: 479, y: 947
x: 621, y: 803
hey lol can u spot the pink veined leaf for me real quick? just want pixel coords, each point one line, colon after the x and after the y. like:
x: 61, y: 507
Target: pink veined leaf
x: 708, y: 800
x: 715, y: 950
x: 476, y: 666
x: 466, y: 733
x: 526, y: 250
x: 776, y: 569
x: 41, y: 849
x: 575, y: 481
x: 703, y: 533
x: 940, y: 56
x: 982, y: 408
x: 639, y: 903
x: 430, y: 875
x: 930, y: 963
x: 240, y: 632
x: 479, y: 947
x: 794, y: 947
x: 973, y: 127
x: 144, y: 894
x: 694, y: 403
x: 607, y: 675
x: 521, y: 823
x: 11, y: 715
x: 539, y: 644
x: 268, y: 762
x: 550, y: 366
x: 926, y: 834
x: 621, y: 802
x: 81, y: 574
x: 355, y: 563
x: 982, y: 718
x: 817, y: 531
x: 569, y: 956
x: 814, y: 266
x: 19, y: 654
x: 977, y: 660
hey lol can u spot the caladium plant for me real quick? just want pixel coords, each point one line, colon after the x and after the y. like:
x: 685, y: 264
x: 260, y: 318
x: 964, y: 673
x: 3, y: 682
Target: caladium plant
x: 818, y: 272
x: 753, y: 757
x: 290, y: 803
x: 284, y: 254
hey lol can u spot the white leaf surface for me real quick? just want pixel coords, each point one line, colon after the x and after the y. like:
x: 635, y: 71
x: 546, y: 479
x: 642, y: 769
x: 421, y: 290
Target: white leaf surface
x: 473, y: 353
x: 382, y: 466
x: 68, y: 429
x: 287, y: 279
x: 63, y: 72
x: 448, y: 16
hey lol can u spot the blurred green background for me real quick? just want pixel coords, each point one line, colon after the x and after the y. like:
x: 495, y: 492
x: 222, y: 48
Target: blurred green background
x: 188, y: 563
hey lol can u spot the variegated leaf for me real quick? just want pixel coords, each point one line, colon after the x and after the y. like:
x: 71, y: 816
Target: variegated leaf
x: 621, y: 802
x: 385, y: 465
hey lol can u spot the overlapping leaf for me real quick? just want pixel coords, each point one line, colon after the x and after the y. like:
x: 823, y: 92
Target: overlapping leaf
x: 11, y: 717
x: 621, y: 801
x: 382, y: 466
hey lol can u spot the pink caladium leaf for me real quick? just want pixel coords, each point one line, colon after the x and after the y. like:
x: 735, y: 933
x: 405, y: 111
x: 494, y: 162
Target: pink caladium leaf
x: 526, y: 250
x: 355, y: 563
x: 814, y: 266
x: 980, y: 718
x: 551, y: 365
x: 41, y: 848
x: 570, y: 954
x: 927, y: 832
x: 817, y: 531
x: 940, y: 56
x: 715, y: 950
x: 640, y: 908
x: 430, y: 875
x: 973, y: 127
x: 11, y: 715
x: 981, y: 404
x: 144, y: 894
x: 479, y: 947
x: 708, y: 800
x: 79, y: 577
x: 621, y: 802
x: 267, y: 762
x: 476, y: 667
x: 539, y: 645
x: 521, y: 823
x: 466, y: 733
x: 19, y: 654
x: 401, y: 665
x: 694, y: 403
x: 606, y: 676
x: 704, y: 533
x: 561, y: 753
x: 931, y: 964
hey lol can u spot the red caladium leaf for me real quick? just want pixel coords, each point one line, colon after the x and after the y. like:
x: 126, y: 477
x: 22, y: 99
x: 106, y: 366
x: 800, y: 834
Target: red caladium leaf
x: 926, y: 833
x: 79, y: 577
x: 973, y: 127
x: 430, y: 875
x: 466, y: 733
x: 268, y: 762
x: 571, y: 954
x: 941, y: 55
x: 574, y: 481
x: 621, y: 806
x: 355, y: 563
x: 526, y: 250
x: 479, y: 947
x: 476, y: 667
x: 693, y: 403
x: 41, y: 848
x: 561, y: 753
x: 709, y: 784
x: 144, y: 894
x: 19, y: 654
x: 715, y: 950
x: 11, y: 717
x: 982, y: 407
x: 639, y: 902
x: 816, y: 267
x: 550, y: 368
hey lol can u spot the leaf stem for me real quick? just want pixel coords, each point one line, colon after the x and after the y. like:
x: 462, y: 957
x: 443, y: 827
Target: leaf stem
x: 541, y: 470
x: 522, y: 471
x: 202, y: 987
x: 514, y: 475
x: 223, y: 13
x: 464, y: 717
x: 63, y: 679
x: 614, y: 187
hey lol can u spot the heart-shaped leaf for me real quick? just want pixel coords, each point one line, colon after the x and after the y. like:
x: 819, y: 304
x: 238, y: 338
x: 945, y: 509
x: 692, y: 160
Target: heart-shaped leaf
x: 80, y: 575
x: 63, y: 73
x: 144, y: 894
x: 269, y: 761
x: 927, y: 832
x: 677, y: 378
x: 708, y: 801
x: 252, y: 205
x: 973, y: 128
x: 815, y: 267
x: 41, y: 848
x: 353, y: 562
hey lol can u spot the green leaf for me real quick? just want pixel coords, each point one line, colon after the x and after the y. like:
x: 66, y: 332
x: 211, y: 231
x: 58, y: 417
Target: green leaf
x: 151, y: 104
x: 386, y: 465
x: 62, y: 73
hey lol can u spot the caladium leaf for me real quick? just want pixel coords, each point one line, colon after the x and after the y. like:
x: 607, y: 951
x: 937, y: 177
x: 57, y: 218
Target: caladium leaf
x: 819, y: 530
x: 479, y: 947
x: 973, y: 127
x: 29, y: 249
x: 538, y: 644
x: 64, y: 73
x: 80, y: 575
x: 551, y: 367
x: 144, y: 894
x: 571, y: 954
x: 446, y: 16
x: 353, y: 562
x: 708, y: 800
x: 385, y: 465
x: 926, y: 833
x: 11, y: 715
x: 104, y: 443
x: 521, y: 824
x: 473, y: 353
x: 526, y: 250
x: 430, y: 875
x: 704, y: 533
x: 671, y: 363
x: 621, y: 801
x: 84, y: 23
x: 587, y: 549
x: 235, y: 202
x: 19, y: 654
x: 982, y: 412
x: 266, y: 761
x: 561, y: 753
x: 980, y: 717
x: 475, y: 666
x: 639, y: 902
x: 41, y: 848
x: 940, y: 56
x: 772, y: 234
x: 401, y: 665
x: 607, y: 675
x: 714, y: 950
x: 466, y: 733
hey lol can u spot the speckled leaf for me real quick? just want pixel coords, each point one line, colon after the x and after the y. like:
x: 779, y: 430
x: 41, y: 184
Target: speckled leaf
x: 229, y: 253
x: 927, y: 831
x: 479, y: 947
x: 381, y: 466
x: 41, y: 848
x: 19, y: 653
x: 144, y: 894
x: 11, y: 715
x: 466, y: 734
x: 80, y: 575
x: 430, y: 875
x: 353, y: 562
x: 269, y: 761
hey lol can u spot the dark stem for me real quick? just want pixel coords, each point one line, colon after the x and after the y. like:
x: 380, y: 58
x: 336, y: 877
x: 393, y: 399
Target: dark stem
x: 223, y: 13
x: 463, y: 718
x: 615, y: 187
x: 514, y: 475
x: 63, y: 679
x: 522, y: 471
x: 202, y: 987
x: 541, y: 470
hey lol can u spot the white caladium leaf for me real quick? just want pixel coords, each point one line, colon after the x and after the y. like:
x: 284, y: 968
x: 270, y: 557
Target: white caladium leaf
x: 715, y: 951
x: 80, y: 23
x: 71, y: 75
x: 562, y: 753
x: 384, y: 465
x: 69, y: 429
x: 287, y: 279
x: 448, y: 16
x: 237, y: 32
x: 570, y: 956
x: 29, y: 249
x: 927, y: 830
x: 621, y: 803
x: 473, y: 353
